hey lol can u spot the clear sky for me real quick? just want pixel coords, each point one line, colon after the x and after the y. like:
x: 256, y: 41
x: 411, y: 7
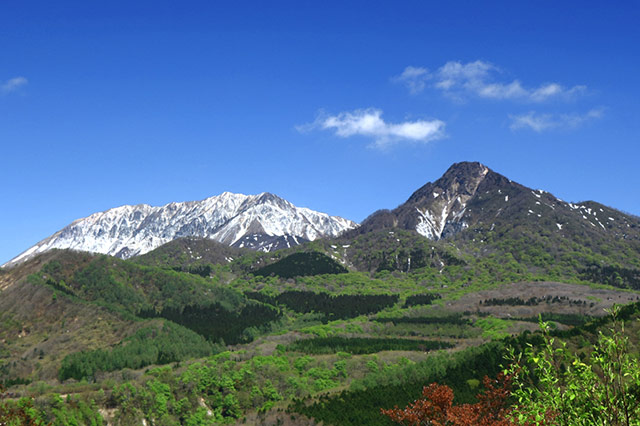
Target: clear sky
x: 343, y: 107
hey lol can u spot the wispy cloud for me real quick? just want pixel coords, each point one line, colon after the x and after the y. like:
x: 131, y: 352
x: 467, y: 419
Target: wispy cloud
x: 369, y: 123
x: 460, y: 81
x: 542, y: 122
x: 415, y: 78
x: 13, y: 84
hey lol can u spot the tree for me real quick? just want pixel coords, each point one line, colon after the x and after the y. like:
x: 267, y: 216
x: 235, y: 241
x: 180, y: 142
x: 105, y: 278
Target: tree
x: 436, y: 408
x: 18, y: 413
x: 553, y: 386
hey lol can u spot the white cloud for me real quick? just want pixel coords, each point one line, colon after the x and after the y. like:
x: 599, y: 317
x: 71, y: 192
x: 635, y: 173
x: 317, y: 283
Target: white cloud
x: 415, y: 78
x: 454, y: 73
x: 13, y: 84
x: 369, y: 123
x: 541, y: 122
x: 459, y: 81
x: 501, y: 91
x: 551, y: 90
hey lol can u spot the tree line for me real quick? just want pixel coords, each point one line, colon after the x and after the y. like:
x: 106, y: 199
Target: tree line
x: 364, y: 345
x: 332, y: 306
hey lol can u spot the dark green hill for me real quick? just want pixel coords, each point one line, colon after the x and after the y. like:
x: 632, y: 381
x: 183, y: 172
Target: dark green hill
x: 302, y: 264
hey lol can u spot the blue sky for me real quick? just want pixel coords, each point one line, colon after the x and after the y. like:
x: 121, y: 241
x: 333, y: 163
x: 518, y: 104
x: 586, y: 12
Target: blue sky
x: 342, y: 107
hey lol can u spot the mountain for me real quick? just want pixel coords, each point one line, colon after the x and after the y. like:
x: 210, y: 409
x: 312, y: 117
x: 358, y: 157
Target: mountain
x: 260, y: 222
x: 470, y: 195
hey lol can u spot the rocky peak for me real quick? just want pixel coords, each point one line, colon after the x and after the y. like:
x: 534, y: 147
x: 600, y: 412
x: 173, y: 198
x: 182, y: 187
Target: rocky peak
x: 461, y: 179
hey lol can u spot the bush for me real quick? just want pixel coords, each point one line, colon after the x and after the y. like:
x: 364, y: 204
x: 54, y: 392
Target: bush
x: 554, y: 386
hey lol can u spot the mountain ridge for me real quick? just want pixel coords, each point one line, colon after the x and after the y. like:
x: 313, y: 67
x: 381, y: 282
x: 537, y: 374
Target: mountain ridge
x: 130, y: 230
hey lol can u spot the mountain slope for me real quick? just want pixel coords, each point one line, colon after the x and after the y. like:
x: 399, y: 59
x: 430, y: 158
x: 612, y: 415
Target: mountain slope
x: 260, y: 222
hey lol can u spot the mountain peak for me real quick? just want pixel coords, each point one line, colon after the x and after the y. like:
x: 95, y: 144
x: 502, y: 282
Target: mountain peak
x: 466, y: 168
x: 461, y: 179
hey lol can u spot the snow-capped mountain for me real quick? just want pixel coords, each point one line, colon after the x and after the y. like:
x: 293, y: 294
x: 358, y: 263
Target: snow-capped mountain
x: 261, y: 222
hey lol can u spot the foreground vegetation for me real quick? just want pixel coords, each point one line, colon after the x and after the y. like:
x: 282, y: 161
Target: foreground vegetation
x: 545, y: 385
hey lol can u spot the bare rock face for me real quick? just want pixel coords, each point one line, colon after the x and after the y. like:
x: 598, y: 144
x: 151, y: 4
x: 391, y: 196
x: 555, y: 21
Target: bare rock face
x: 261, y: 222
x: 441, y: 206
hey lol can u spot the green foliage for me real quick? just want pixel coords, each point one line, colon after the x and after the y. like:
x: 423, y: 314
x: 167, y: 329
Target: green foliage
x: 225, y: 387
x: 217, y: 323
x: 147, y: 346
x: 321, y: 330
x: 364, y: 345
x: 332, y: 306
x: 494, y: 328
x: 553, y: 385
x: 301, y: 363
x: 421, y: 299
x: 54, y: 412
x: 73, y: 411
x: 613, y: 275
x: 567, y: 319
x: 455, y: 319
x: 20, y: 412
x: 398, y: 273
